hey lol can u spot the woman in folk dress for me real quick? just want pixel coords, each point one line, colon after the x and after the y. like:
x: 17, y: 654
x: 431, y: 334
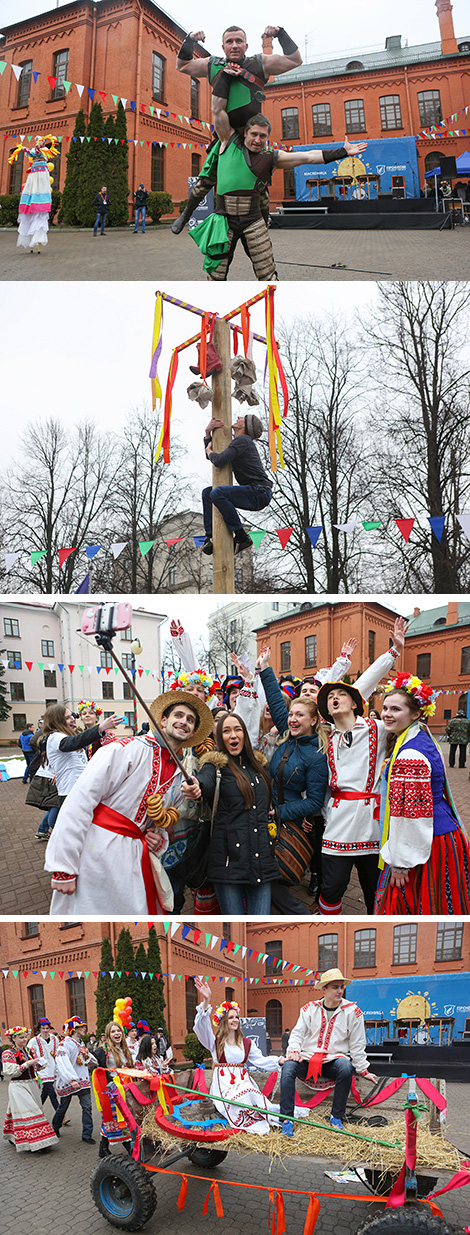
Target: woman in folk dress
x: 26, y: 1126
x: 36, y: 194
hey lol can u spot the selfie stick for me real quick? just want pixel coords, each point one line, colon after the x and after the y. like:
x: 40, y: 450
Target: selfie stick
x: 105, y: 641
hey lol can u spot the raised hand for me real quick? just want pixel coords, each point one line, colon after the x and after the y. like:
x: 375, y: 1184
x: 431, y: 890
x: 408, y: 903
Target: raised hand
x: 263, y: 658
x: 203, y: 988
x: 198, y: 36
x: 176, y: 628
x: 348, y: 647
x: 399, y: 631
x: 358, y: 148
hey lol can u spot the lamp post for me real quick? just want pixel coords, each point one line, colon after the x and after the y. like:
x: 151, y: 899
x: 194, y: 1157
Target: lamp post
x: 136, y: 650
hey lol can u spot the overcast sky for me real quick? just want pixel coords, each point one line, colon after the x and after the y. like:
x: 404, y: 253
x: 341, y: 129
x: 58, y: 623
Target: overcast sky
x: 329, y: 31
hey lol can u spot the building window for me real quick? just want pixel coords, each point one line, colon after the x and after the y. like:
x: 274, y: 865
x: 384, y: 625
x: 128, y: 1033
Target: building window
x: 50, y: 679
x: 37, y: 1005
x: 157, y: 170
x: 106, y: 660
x: 274, y: 951
x: 229, y: 994
x: 354, y: 65
x: 126, y: 635
x: 31, y: 929
x: 60, y: 71
x: 275, y: 606
x: 429, y: 103
x: 327, y: 952
x: 108, y: 690
x: 127, y: 691
x: 423, y: 665
x: 172, y: 576
x: 354, y: 115
x: 371, y: 646
x: 449, y: 942
x: 19, y: 721
x: 55, y: 173
x: 16, y: 181
x: 127, y: 659
x: 321, y: 117
x: 191, y: 1003
x: 47, y: 647
x: 289, y: 183
x: 364, y: 949
x: 404, y: 945
x: 11, y: 627
x: 390, y: 111
x: 274, y: 1018
x: 310, y: 651
x: 290, y: 122
x: 195, y: 165
x: 158, y: 77
x: 14, y: 660
x: 233, y: 628
x: 285, y: 657
x: 24, y: 84
x: 76, y: 998
x: 129, y: 719
x: 194, y: 98
x: 465, y: 661
x: 49, y: 703
x: 16, y: 691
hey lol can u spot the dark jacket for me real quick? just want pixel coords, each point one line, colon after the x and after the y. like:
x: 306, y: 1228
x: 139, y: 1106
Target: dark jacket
x: 306, y: 769
x: 241, y: 849
x: 141, y: 196
x: 243, y: 457
x: 101, y: 203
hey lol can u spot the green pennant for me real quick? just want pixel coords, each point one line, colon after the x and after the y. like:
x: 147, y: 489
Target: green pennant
x: 236, y: 948
x: 166, y: 926
x: 87, y: 973
x: 119, y: 973
x: 145, y: 546
x: 3, y: 65
x: 80, y: 668
x: 371, y: 525
x: 151, y: 110
x: 115, y: 99
x: 190, y: 144
x: 180, y: 118
x: 116, y: 671
x: 30, y: 137
x: 165, y: 144
x: 115, y: 140
x: 88, y: 139
x: 208, y: 938
x: 147, y: 671
x: 256, y: 981
x: 67, y: 85
x: 179, y: 977
x: 260, y: 954
x: 15, y: 972
x: 141, y: 143
x: 38, y: 553
x: 257, y: 538
x: 52, y: 973
x: 40, y: 665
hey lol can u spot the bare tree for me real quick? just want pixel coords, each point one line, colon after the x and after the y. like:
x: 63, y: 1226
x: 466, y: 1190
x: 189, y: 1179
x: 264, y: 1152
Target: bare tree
x: 421, y: 427
x: 226, y: 634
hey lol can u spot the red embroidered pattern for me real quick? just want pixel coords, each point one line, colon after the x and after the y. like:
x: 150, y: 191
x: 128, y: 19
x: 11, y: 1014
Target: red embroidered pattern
x: 410, y: 793
x: 152, y: 785
x: 364, y: 846
x: 372, y: 727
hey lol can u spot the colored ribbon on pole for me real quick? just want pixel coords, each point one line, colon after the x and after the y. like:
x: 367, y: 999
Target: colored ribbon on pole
x: 275, y: 371
x: 164, y: 442
x: 157, y: 343
x: 203, y: 346
x: 245, y: 316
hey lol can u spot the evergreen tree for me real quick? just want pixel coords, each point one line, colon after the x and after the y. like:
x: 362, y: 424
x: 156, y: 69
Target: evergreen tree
x: 109, y: 148
x: 105, y: 989
x: 118, y: 182
x: 154, y: 992
x: 127, y: 985
x: 68, y: 212
x: 92, y: 168
x: 139, y: 1012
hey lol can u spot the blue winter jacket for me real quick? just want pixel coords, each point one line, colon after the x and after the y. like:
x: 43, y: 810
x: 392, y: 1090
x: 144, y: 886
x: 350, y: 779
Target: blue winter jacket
x: 306, y: 768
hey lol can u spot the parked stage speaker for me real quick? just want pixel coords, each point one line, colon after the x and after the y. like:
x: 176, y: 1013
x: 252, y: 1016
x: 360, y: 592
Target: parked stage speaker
x: 448, y: 166
x: 398, y: 186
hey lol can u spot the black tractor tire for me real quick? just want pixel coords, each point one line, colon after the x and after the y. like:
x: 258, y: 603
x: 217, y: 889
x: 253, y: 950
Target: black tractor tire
x: 123, y: 1192
x: 206, y: 1158
x: 406, y: 1221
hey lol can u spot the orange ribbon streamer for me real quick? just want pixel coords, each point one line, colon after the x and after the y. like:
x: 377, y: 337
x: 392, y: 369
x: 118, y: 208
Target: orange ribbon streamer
x: 245, y: 316
x: 181, y: 1202
x: 312, y: 1215
x: 217, y: 1201
x: 165, y: 433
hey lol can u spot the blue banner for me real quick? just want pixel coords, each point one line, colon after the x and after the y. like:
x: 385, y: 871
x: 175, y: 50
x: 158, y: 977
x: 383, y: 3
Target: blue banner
x: 384, y: 157
x: 446, y: 994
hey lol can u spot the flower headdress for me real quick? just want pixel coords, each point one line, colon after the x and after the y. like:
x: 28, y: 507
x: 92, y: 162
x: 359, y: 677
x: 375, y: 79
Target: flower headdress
x: 16, y: 1029
x: 195, y: 677
x: 223, y: 1008
x: 423, y: 695
x: 87, y: 705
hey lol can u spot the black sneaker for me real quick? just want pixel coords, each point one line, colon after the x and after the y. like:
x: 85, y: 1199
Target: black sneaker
x: 88, y: 1140
x: 242, y: 541
x: 207, y: 546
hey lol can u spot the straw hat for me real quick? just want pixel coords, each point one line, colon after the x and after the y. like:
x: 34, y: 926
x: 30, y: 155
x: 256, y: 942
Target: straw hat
x: 171, y: 698
x: 332, y: 975
x: 322, y: 698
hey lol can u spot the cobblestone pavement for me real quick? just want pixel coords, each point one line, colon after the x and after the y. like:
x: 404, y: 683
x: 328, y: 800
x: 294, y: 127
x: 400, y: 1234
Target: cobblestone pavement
x: 300, y: 255
x: 25, y: 886
x: 49, y: 1194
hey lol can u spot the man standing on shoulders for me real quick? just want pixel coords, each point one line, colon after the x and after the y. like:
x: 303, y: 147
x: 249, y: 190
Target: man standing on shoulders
x: 253, y: 490
x: 329, y: 1039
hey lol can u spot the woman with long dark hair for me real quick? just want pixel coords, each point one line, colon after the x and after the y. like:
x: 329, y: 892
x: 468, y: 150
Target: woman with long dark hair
x: 233, y: 778
x: 64, y: 748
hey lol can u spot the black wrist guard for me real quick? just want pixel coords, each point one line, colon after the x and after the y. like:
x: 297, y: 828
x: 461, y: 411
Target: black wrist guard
x: 332, y: 156
x: 186, y: 50
x: 287, y: 44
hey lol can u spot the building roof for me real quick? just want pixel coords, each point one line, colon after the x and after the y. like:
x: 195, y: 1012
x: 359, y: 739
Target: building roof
x: 390, y: 57
x: 430, y: 620
x: 27, y: 21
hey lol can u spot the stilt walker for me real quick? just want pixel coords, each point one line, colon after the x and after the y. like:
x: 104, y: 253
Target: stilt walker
x: 36, y: 194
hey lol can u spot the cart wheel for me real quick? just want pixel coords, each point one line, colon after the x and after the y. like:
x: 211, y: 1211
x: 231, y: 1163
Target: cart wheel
x: 206, y: 1158
x: 123, y: 1193
x: 406, y: 1221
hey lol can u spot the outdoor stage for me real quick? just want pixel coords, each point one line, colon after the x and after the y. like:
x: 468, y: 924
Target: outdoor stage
x: 387, y: 213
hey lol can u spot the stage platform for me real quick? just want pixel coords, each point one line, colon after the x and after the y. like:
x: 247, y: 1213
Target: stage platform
x: 386, y: 213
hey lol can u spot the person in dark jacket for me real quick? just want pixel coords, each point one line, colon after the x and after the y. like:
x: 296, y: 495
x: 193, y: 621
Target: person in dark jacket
x: 140, y: 202
x: 304, y: 774
x: 242, y: 864
x: 253, y: 490
x: 101, y: 204
x: 24, y: 741
x: 458, y: 733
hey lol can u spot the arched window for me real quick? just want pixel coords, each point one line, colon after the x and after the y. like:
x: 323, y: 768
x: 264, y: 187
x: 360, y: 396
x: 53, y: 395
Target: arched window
x: 191, y: 1003
x: 274, y: 1018
x: 433, y: 160
x: 354, y: 64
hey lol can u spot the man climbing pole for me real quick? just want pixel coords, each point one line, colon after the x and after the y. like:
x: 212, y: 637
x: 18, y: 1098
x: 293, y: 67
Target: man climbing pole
x: 253, y: 490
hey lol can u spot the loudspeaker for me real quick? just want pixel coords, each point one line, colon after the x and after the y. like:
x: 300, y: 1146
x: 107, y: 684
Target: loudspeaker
x: 448, y: 165
x: 398, y: 186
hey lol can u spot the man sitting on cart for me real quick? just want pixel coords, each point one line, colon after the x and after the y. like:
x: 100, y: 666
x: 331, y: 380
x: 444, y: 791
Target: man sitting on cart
x: 328, y: 1039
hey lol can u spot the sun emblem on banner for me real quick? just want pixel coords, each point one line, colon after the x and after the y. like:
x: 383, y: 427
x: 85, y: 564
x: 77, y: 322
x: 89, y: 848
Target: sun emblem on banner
x: 414, y: 1006
x: 353, y: 167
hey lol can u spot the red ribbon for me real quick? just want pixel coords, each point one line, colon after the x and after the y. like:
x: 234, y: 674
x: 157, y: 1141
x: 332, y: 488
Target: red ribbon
x: 270, y: 1084
x: 315, y: 1065
x: 203, y: 347
x: 245, y: 317
x: 217, y: 1201
x: 167, y: 409
x: 458, y: 1181
x: 312, y: 1215
x: 131, y: 1123
x: 181, y: 1202
x: 397, y: 1196
x: 200, y: 1080
x: 387, y: 1092
x: 112, y: 821
x: 431, y: 1092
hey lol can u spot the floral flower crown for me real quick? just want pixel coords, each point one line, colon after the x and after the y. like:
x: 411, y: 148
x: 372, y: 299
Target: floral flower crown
x: 423, y: 695
x: 87, y: 705
x: 195, y: 677
x: 223, y: 1008
x: 16, y: 1029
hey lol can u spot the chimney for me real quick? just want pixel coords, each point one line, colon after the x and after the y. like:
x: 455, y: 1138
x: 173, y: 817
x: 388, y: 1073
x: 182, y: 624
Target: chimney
x: 452, y: 613
x: 393, y: 42
x: 416, y: 611
x: 446, y: 26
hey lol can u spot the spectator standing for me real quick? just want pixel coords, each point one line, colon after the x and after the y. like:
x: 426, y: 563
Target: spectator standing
x: 140, y: 202
x: 458, y: 733
x: 101, y: 204
x: 24, y: 741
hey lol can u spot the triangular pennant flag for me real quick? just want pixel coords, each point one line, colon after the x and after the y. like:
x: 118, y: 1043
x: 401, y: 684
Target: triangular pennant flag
x: 115, y: 99
x: 52, y: 82
x: 314, y: 534
x: 3, y: 65
x: 102, y: 94
x: 117, y: 548
x: 80, y: 90
x: 257, y: 537
x: 371, y: 525
x: 29, y: 664
x: 347, y: 527
x: 37, y: 555
x: 132, y: 105
x: 464, y: 521
x: 63, y: 555
x: 284, y: 534
x: 124, y: 103
x: 17, y: 70
x: 10, y: 559
x: 437, y: 525
x: 91, y: 93
x: 92, y: 550
x: 198, y: 541
x: 66, y: 85
x: 405, y: 526
x: 145, y: 546
x: 83, y: 587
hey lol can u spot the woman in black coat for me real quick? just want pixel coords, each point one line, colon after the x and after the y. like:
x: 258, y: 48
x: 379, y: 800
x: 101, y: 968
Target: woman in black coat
x: 242, y: 864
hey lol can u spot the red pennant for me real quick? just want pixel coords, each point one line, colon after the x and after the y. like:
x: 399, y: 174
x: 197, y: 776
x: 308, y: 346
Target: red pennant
x: 140, y: 672
x: 405, y: 526
x: 52, y: 82
x: 63, y: 555
x: 142, y: 108
x: 95, y: 139
x: 95, y: 973
x: 197, y: 936
x: 70, y: 668
x: 67, y: 138
x: 102, y: 94
x: 122, y: 140
x: 61, y: 974
x: 284, y: 534
x: 25, y: 973
x: 108, y: 670
x: 245, y: 316
x: 126, y: 971
x: 29, y: 664
x: 173, y: 540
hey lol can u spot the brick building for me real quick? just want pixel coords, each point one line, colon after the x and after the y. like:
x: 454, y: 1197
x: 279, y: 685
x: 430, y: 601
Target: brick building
x: 71, y: 950
x: 437, y: 647
x: 123, y: 47
x: 392, y: 93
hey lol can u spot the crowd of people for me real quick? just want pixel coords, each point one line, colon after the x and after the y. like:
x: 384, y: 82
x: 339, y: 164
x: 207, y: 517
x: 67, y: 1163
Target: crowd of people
x: 249, y: 786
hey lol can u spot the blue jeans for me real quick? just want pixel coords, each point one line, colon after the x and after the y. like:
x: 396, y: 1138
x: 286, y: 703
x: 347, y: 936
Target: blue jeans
x: 84, y: 1098
x: 48, y: 1091
x: 339, y: 1070
x: 47, y: 822
x: 28, y: 755
x: 140, y: 213
x: 238, y: 898
x: 227, y: 497
x: 99, y: 216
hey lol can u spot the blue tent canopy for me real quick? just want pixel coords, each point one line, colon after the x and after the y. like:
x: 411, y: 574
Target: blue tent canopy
x: 462, y: 165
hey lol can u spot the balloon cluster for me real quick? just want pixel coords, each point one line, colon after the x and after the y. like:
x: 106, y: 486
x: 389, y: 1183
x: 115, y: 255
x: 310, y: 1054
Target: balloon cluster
x: 123, y: 1013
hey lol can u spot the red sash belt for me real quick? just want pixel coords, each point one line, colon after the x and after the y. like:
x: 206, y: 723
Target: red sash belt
x: 316, y: 1064
x: 112, y: 821
x: 351, y: 795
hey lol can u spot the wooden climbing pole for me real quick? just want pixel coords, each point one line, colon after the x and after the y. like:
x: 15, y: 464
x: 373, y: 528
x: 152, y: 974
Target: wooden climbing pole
x: 223, y: 560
